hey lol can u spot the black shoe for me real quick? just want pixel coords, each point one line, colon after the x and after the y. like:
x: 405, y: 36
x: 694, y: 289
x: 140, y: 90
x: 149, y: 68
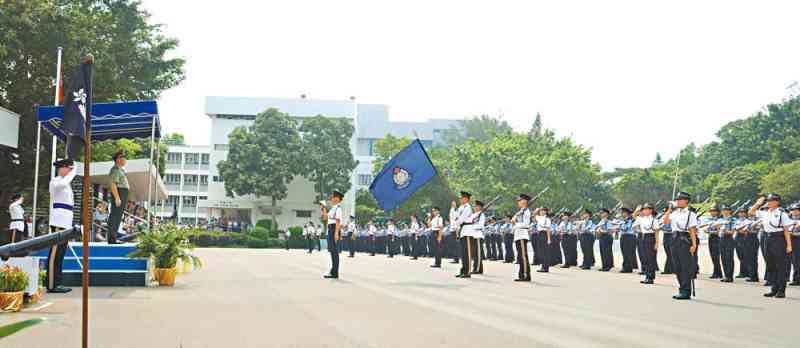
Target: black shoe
x: 795, y: 283
x: 454, y: 262
x: 436, y: 266
x: 605, y: 269
x: 770, y: 294
x: 682, y: 296
x: 641, y: 273
x: 665, y: 272
x: 331, y: 276
x: 741, y: 276
x: 715, y: 276
x: 752, y: 280
x: 727, y: 280
x: 768, y: 284
x: 565, y: 266
x: 780, y: 294
x: 463, y: 276
x: 585, y: 267
x: 507, y: 261
x: 351, y: 256
x: 477, y: 272
x: 542, y: 271
x: 59, y: 290
x: 413, y: 258
x: 625, y: 271
x: 647, y: 281
x: 522, y: 279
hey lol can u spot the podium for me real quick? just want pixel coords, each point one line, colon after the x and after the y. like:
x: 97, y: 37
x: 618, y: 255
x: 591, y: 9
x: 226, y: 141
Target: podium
x: 109, y: 265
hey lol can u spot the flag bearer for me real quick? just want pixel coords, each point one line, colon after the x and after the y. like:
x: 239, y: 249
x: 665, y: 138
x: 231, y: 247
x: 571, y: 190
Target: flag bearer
x: 585, y: 227
x: 62, y: 200
x: 334, y: 221
x: 775, y: 223
x: 727, y: 243
x: 462, y: 221
x: 647, y: 227
x: 684, y: 246
x: 522, y: 223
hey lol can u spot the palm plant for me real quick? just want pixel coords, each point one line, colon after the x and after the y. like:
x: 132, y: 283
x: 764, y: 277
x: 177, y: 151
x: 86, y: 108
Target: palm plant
x: 166, y: 244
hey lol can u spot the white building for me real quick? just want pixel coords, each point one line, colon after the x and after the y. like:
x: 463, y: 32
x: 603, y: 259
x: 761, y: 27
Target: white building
x: 203, y: 199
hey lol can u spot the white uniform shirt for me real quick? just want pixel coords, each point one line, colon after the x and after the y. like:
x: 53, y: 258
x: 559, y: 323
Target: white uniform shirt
x: 415, y: 227
x: 334, y: 214
x: 645, y: 225
x: 475, y: 229
x: 773, y: 220
x: 372, y: 230
x: 463, y: 215
x: 437, y: 223
x: 61, y: 192
x: 522, y: 223
x: 543, y: 223
x: 682, y: 219
x: 17, y: 213
x: 351, y: 227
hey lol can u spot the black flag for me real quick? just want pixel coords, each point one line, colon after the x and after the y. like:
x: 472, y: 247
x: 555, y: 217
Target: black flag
x: 77, y: 105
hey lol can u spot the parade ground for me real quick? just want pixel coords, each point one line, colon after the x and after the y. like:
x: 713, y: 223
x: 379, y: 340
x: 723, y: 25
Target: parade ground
x: 278, y: 298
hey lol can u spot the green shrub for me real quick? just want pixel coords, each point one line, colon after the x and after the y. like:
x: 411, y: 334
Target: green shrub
x: 295, y: 231
x: 12, y: 279
x: 265, y: 224
x: 167, y: 244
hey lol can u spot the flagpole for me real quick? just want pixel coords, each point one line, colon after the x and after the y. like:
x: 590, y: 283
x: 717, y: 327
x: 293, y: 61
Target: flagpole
x: 58, y: 90
x: 675, y: 181
x: 87, y: 161
x: 39, y: 142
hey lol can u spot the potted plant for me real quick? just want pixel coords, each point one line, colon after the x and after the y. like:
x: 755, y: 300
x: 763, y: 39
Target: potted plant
x: 13, y: 282
x: 166, y: 245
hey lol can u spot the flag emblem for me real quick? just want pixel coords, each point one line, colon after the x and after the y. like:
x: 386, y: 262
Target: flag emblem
x: 401, y: 178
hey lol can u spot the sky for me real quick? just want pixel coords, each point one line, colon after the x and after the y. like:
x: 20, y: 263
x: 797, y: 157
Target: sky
x: 627, y: 78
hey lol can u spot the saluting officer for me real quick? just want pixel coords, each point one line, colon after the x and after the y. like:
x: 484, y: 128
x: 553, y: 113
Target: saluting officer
x: 684, y: 224
x: 334, y: 221
x: 775, y: 223
x: 119, y: 191
x: 61, y: 202
x: 585, y: 228
x: 522, y: 223
x: 647, y: 227
x: 463, y: 218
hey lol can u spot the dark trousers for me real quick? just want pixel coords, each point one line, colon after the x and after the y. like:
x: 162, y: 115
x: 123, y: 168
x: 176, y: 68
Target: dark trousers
x: 763, y: 247
x: 55, y: 262
x: 477, y: 260
x: 406, y: 248
x: 508, y: 240
x: 498, y: 241
x: 536, y: 246
x: 640, y: 249
x: 776, y: 261
x: 115, y: 217
x: 455, y: 247
x: 727, y: 245
x: 555, y: 250
x: 466, y: 254
x: 333, y: 248
x: 750, y: 247
x: 587, y: 249
x: 491, y: 247
x: 414, y: 245
x: 716, y: 255
x: 569, y: 242
x: 319, y: 244
x: 648, y: 254
x: 740, y: 254
x: 544, y: 250
x: 351, y: 241
x: 796, y: 259
x: 606, y: 250
x: 438, y: 243
x: 627, y: 243
x: 390, y: 241
x: 524, y: 266
x: 310, y: 244
x: 668, y: 237
x: 683, y: 263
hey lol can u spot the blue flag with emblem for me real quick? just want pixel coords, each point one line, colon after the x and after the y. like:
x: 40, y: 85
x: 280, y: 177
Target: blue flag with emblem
x: 403, y: 175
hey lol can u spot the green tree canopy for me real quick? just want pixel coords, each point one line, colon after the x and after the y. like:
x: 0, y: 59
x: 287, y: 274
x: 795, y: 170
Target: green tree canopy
x: 784, y: 180
x: 477, y: 128
x: 740, y: 183
x: 326, y: 161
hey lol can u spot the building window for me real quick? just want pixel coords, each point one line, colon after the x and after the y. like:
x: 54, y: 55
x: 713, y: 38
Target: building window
x: 192, y: 158
x: 172, y: 200
x: 204, y: 159
x: 203, y: 180
x: 203, y: 198
x: 366, y: 147
x: 237, y: 117
x: 189, y: 179
x: 218, y: 178
x: 172, y: 179
x: 174, y: 157
x: 189, y: 201
x: 364, y: 179
x: 303, y: 213
x: 221, y: 147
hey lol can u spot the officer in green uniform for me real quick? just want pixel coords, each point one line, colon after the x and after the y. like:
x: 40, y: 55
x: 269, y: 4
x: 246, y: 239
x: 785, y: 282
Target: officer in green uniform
x: 119, y: 191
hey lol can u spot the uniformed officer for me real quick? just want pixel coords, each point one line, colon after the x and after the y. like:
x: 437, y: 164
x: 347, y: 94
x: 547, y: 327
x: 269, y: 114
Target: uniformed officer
x: 586, y: 228
x: 604, y: 230
x: 627, y: 241
x: 61, y: 203
x: 554, y: 251
x: 522, y: 223
x: 794, y: 211
x: 371, y: 234
x: 647, y: 226
x: 351, y: 235
x: 508, y: 239
x: 684, y: 224
x: 569, y: 240
x: 462, y: 220
x: 727, y: 243
x: 545, y: 226
x: 477, y: 226
x: 119, y: 191
x: 392, y: 237
x: 415, y: 238
x: 334, y: 222
x: 16, y: 227
x: 666, y: 230
x: 748, y: 244
x: 436, y: 225
x: 489, y: 235
x: 775, y: 223
x: 711, y: 226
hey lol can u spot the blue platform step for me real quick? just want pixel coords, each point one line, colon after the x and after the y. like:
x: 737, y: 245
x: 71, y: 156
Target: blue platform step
x: 109, y: 265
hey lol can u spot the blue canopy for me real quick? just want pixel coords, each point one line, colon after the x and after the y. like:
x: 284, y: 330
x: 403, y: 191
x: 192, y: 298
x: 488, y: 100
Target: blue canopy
x: 110, y: 121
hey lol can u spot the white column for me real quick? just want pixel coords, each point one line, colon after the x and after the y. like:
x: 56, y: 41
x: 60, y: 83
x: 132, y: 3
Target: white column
x: 351, y: 194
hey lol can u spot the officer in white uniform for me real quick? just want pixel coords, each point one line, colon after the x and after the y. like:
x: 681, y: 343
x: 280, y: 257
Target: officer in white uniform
x: 647, y: 227
x: 17, y: 226
x: 371, y: 234
x: 462, y: 221
x: 61, y: 206
x: 351, y: 236
x: 522, y: 224
x: 415, y: 238
x: 775, y: 223
x: 436, y: 224
x: 478, y: 223
x: 684, y: 224
x: 545, y: 226
x: 334, y: 222
x: 392, y: 237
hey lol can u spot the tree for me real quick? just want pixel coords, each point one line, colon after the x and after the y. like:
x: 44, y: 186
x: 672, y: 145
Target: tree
x: 739, y: 184
x: 366, y: 207
x: 643, y: 186
x: 658, y: 160
x: 477, y: 128
x: 784, y: 180
x: 326, y: 161
x: 536, y: 128
x: 130, y: 63
x: 173, y: 139
x: 262, y: 159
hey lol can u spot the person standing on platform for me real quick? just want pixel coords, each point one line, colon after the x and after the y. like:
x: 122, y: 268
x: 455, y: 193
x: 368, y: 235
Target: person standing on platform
x: 585, y: 228
x: 462, y: 219
x: 334, y: 222
x: 775, y: 223
x: 352, y: 231
x: 647, y: 226
x: 119, y: 193
x: 544, y: 225
x: 61, y: 203
x: 666, y: 230
x: 604, y: 230
x: 16, y: 227
x: 684, y: 246
x: 508, y: 238
x: 522, y: 223
x: 794, y: 229
x: 436, y: 225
